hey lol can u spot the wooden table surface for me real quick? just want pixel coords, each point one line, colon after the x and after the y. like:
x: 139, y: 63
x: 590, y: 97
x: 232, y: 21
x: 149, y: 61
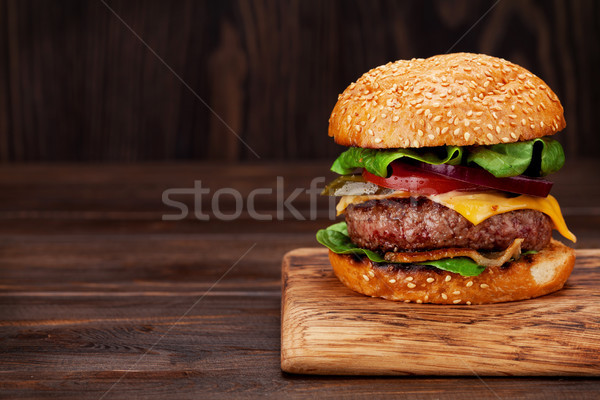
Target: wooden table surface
x: 101, y: 298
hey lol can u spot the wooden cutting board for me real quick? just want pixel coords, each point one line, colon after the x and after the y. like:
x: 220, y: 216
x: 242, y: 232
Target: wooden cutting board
x: 329, y: 329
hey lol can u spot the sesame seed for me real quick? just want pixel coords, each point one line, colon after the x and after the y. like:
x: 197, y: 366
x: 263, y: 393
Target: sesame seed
x: 470, y: 283
x: 469, y: 113
x: 370, y: 132
x: 457, y: 301
x: 490, y: 136
x: 532, y: 126
x: 468, y: 303
x: 371, y: 274
x: 467, y: 122
x: 495, y: 115
x: 448, y: 277
x: 411, y: 285
x: 377, y: 140
x: 395, y: 118
x: 358, y: 128
x: 484, y: 286
x: 366, y: 278
x: 497, y: 129
x: 407, y: 301
x: 523, y: 122
x: 444, y: 296
x: 541, y: 124
x: 426, y: 297
x: 467, y: 135
x: 349, y: 119
x: 383, y: 115
x: 363, y: 123
x: 419, y: 132
x: 456, y: 292
x: 457, y: 131
x: 437, y: 118
x: 392, y: 280
x: 430, y: 136
x: 419, y: 301
x: 410, y: 278
x: 505, y: 139
x: 444, y: 129
x: 512, y: 108
x: 429, y: 280
x: 373, y: 119
x: 490, y: 126
x: 513, y: 116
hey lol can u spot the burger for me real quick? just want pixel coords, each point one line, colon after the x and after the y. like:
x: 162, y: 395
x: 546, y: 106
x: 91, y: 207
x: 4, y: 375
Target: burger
x: 442, y: 185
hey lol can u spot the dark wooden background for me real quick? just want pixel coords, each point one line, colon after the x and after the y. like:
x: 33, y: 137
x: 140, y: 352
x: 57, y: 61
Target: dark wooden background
x: 77, y: 85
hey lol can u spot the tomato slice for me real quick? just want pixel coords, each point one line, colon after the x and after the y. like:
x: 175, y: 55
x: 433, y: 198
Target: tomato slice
x: 411, y: 179
x: 515, y: 184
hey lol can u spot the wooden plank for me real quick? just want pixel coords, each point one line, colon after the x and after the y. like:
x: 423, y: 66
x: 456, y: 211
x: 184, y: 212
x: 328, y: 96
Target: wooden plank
x: 41, y: 199
x: 184, y: 383
x: 158, y: 265
x: 119, y: 102
x: 328, y: 329
x: 138, y: 188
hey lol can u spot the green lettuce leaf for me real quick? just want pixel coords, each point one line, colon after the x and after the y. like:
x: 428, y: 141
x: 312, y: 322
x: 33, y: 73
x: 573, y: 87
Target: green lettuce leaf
x: 539, y: 157
x: 377, y: 161
x: 460, y: 265
x: 336, y: 239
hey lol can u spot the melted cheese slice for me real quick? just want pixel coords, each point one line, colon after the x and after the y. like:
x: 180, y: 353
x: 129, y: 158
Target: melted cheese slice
x: 479, y: 206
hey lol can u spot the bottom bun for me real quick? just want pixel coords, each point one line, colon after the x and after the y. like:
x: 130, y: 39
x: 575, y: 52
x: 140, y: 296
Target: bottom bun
x: 531, y: 276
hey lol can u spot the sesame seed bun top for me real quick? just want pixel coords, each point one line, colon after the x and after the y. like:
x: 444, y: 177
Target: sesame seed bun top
x: 457, y: 99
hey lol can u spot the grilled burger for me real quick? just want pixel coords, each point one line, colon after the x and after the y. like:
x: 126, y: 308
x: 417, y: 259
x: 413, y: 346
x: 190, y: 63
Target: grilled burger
x: 442, y: 185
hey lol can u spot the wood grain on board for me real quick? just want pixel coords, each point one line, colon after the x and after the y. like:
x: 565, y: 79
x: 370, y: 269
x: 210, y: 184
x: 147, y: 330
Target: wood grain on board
x: 328, y: 329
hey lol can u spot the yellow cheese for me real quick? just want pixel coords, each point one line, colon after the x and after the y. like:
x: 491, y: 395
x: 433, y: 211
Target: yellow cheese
x: 479, y: 206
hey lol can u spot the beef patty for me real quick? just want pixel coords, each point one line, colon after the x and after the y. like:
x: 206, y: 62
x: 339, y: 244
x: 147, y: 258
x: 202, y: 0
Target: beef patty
x: 401, y: 224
